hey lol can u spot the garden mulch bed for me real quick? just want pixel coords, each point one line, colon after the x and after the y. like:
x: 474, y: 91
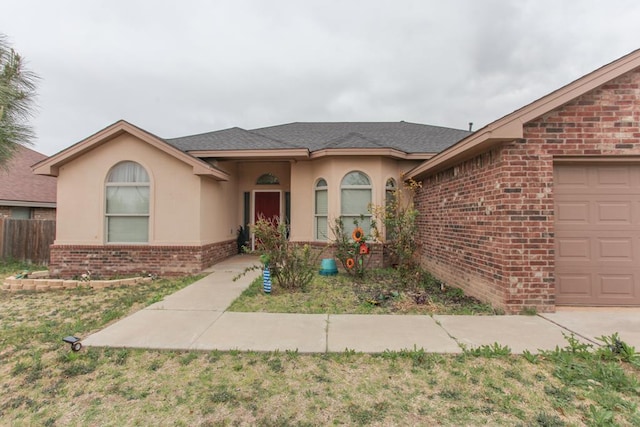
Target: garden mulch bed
x: 383, y: 291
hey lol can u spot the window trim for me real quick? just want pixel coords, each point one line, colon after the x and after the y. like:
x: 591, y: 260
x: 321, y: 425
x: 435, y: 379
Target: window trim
x: 317, y: 187
x: 108, y: 215
x: 389, y: 190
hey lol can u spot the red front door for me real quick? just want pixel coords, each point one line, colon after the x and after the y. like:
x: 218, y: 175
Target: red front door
x: 267, y: 204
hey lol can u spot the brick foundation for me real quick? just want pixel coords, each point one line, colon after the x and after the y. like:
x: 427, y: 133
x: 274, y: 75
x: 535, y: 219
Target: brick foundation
x: 379, y: 258
x: 68, y: 261
x: 487, y: 224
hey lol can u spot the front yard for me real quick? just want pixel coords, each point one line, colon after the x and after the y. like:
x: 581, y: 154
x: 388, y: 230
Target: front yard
x: 381, y: 291
x: 44, y: 383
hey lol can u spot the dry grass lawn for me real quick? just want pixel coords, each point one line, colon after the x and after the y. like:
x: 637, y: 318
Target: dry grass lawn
x: 44, y: 383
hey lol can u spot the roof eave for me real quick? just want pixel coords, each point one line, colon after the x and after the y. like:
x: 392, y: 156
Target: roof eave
x: 510, y: 127
x: 51, y: 165
x: 385, y: 152
x: 295, y: 153
x: 28, y: 204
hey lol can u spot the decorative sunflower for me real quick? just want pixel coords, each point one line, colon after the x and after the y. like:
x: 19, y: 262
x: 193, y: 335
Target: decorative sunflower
x: 350, y: 263
x: 358, y: 234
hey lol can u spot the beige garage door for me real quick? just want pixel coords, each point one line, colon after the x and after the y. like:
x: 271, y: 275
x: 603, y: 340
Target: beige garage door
x: 597, y: 231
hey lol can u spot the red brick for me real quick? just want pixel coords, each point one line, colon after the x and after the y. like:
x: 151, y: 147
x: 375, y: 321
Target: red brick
x: 505, y: 245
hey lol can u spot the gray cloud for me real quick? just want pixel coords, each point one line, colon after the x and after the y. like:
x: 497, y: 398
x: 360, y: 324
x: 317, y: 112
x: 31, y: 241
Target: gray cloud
x: 178, y: 68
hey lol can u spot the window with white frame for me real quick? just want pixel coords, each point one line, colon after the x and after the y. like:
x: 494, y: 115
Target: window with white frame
x: 321, y: 210
x: 390, y: 190
x: 127, y: 204
x: 355, y: 198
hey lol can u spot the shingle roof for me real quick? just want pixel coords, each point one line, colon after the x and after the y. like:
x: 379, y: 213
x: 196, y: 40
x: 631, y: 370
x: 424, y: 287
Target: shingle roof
x: 403, y: 136
x: 228, y: 139
x: 18, y: 183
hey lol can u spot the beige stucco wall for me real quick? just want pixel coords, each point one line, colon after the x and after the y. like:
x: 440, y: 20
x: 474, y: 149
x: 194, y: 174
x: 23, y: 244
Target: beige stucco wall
x: 305, y: 174
x: 249, y: 171
x: 219, y: 207
x: 176, y: 208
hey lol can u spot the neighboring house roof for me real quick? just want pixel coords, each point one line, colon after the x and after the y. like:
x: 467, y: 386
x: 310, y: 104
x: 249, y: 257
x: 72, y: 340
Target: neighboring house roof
x: 402, y: 137
x: 51, y: 165
x: 510, y: 127
x: 20, y: 187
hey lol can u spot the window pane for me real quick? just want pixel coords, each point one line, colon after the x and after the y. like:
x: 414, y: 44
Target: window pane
x: 349, y: 226
x: 20, y: 213
x: 321, y: 183
x: 126, y: 200
x: 321, y: 228
x: 267, y: 179
x: 321, y: 202
x: 355, y: 202
x: 355, y: 178
x: 389, y: 197
x: 128, y: 172
x: 128, y: 229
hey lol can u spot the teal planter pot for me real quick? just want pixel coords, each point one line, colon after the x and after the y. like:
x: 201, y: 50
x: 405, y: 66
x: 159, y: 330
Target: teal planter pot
x: 328, y: 267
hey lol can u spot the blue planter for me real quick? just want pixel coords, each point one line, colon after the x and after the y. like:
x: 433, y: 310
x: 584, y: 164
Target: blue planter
x: 328, y: 267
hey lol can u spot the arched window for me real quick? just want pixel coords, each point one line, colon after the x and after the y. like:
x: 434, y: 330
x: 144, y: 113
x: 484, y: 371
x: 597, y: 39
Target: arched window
x: 268, y: 179
x: 355, y: 198
x: 321, y: 210
x: 127, y: 204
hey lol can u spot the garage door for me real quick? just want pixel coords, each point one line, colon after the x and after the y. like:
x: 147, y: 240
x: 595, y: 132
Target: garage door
x: 597, y: 234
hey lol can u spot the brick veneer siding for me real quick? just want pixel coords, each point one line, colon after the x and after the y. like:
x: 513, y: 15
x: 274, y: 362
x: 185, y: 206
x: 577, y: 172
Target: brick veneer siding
x: 44, y: 213
x: 379, y: 257
x: 68, y: 261
x: 487, y: 225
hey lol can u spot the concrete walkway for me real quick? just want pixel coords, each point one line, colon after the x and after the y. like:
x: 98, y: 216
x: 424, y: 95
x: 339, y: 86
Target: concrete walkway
x: 194, y: 318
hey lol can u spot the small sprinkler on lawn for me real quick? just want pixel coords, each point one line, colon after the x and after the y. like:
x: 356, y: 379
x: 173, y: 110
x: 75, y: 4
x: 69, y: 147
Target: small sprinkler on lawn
x: 75, y: 343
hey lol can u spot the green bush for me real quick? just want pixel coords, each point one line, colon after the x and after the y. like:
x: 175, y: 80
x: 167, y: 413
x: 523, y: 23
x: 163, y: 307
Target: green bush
x: 399, y: 217
x: 292, y: 266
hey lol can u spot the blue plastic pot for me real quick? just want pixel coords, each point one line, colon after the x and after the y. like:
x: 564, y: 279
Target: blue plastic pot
x: 328, y: 267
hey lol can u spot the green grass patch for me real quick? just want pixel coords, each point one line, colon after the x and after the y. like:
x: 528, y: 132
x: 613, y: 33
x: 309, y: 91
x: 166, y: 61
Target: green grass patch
x: 379, y: 292
x: 11, y: 267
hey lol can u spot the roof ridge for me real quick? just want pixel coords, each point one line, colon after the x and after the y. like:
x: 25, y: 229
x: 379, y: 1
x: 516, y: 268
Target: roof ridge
x: 206, y: 133
x: 343, y: 138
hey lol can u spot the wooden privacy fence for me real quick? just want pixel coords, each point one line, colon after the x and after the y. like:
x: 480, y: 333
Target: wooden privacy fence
x: 26, y: 239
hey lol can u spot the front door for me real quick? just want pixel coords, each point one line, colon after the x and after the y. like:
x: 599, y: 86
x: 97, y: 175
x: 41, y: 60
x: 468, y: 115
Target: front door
x: 266, y: 204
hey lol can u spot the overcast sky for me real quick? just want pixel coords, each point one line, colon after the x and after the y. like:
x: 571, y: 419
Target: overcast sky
x: 177, y: 68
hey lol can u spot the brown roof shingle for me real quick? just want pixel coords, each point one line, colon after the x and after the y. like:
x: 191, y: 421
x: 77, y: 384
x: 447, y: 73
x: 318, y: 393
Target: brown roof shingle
x: 19, y: 183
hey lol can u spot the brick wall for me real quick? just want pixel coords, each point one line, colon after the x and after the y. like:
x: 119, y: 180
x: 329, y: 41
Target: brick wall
x: 68, y: 261
x: 43, y: 213
x: 486, y: 224
x: 378, y: 258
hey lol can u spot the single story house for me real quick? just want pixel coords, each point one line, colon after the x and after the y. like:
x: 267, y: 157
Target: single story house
x: 24, y: 195
x: 540, y: 207
x: 130, y: 201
